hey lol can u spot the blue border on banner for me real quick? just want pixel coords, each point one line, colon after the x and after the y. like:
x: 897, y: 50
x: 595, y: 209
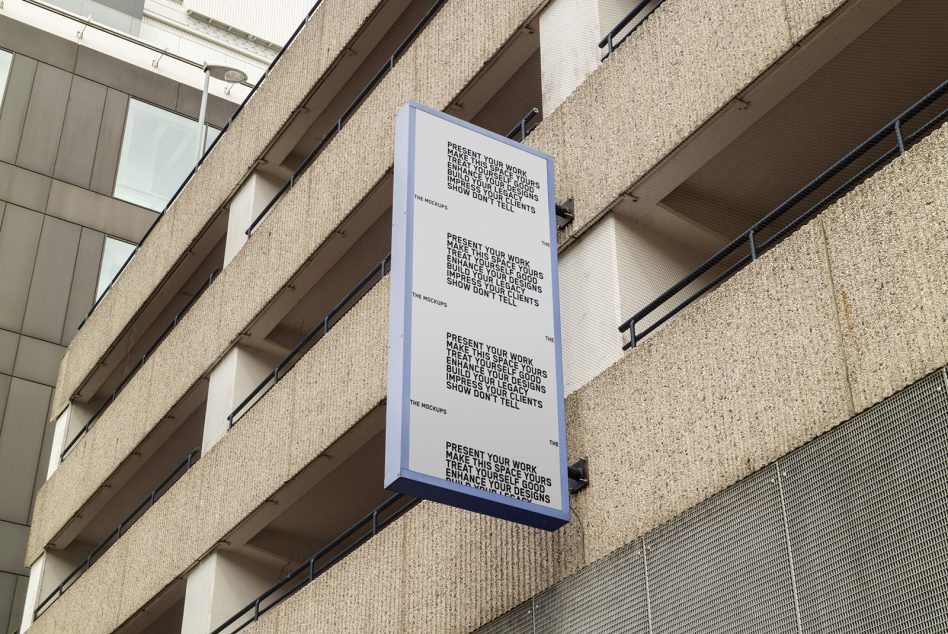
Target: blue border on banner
x: 398, y: 477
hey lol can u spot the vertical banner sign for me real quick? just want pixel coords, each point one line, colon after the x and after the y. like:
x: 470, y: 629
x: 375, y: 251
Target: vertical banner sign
x: 475, y: 389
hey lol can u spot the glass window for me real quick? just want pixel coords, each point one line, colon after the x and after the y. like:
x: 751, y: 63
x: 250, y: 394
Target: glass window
x: 6, y: 60
x: 114, y: 254
x: 158, y: 152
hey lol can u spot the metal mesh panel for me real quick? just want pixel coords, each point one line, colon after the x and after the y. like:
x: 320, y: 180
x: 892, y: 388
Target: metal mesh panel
x: 847, y: 534
x: 867, y: 507
x: 723, y: 566
x: 517, y: 621
x: 608, y: 596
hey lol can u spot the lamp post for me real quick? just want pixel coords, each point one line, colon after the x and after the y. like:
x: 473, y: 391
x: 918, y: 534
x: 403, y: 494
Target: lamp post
x: 223, y: 73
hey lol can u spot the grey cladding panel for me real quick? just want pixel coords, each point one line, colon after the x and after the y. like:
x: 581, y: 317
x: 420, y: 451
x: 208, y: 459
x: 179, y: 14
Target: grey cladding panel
x: 109, y: 146
x: 7, y: 592
x: 13, y: 547
x: 130, y: 79
x: 22, y: 187
x: 15, y: 102
x: 84, y: 280
x: 19, y: 239
x: 21, y: 439
x: 862, y: 510
x: 77, y: 145
x: 724, y: 566
x: 608, y: 596
x: 36, y: 43
x: 517, y: 621
x: 38, y: 360
x: 8, y: 344
x: 44, y: 119
x: 4, y: 393
x: 868, y: 508
x: 52, y: 278
x: 96, y: 211
x: 218, y: 110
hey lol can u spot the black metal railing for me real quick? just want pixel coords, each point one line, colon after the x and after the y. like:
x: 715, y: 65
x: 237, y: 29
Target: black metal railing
x: 138, y: 365
x: 341, y: 121
x: 523, y: 128
x: 123, y: 526
x: 895, y: 128
x: 344, y: 544
x: 324, y: 325
x: 223, y: 131
x: 610, y: 43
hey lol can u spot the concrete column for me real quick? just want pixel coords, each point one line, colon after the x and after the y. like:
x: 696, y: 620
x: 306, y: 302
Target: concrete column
x: 59, y: 441
x: 570, y: 31
x: 47, y: 572
x: 252, y: 197
x: 68, y: 425
x: 33, y: 590
x: 590, y: 304
x: 219, y: 586
x: 234, y: 377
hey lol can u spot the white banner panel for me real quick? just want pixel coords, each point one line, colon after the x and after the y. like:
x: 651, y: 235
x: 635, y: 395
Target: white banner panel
x: 475, y: 393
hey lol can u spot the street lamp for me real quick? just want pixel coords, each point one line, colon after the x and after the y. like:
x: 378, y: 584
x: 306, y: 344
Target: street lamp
x: 223, y: 73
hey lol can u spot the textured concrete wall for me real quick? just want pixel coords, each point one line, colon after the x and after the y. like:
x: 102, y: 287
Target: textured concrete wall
x: 888, y: 251
x: 804, y: 15
x: 437, y: 569
x: 321, y: 41
x: 643, y: 101
x: 333, y: 386
x: 748, y: 373
x: 351, y: 165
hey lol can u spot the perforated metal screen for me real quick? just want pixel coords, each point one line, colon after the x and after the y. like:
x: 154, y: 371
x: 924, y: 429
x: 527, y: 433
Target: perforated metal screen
x: 847, y: 534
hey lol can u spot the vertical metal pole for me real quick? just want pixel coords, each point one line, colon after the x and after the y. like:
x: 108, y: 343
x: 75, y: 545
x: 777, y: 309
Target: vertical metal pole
x: 202, y: 129
x: 753, y: 245
x: 898, y: 136
x: 632, y: 332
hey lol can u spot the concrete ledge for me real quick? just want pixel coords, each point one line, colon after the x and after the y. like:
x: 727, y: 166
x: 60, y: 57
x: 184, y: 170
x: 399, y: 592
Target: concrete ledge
x: 352, y: 164
x: 301, y: 67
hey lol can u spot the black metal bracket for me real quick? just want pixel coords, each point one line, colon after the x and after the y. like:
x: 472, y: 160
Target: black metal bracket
x: 578, y: 474
x: 564, y: 214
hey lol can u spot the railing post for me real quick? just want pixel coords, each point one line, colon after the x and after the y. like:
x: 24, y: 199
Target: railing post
x: 898, y: 136
x: 375, y: 522
x: 632, y: 333
x: 753, y: 245
x: 256, y: 610
x: 312, y: 569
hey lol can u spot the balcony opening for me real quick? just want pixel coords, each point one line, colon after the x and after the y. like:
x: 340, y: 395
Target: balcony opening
x: 342, y: 87
x: 351, y: 261
x: 363, y: 65
x: 133, y: 349
x: 766, y: 150
x: 329, y: 509
x: 162, y: 616
x: 150, y: 471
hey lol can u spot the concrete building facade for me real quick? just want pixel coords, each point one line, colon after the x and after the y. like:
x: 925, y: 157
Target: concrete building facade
x: 754, y: 300
x: 78, y: 193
